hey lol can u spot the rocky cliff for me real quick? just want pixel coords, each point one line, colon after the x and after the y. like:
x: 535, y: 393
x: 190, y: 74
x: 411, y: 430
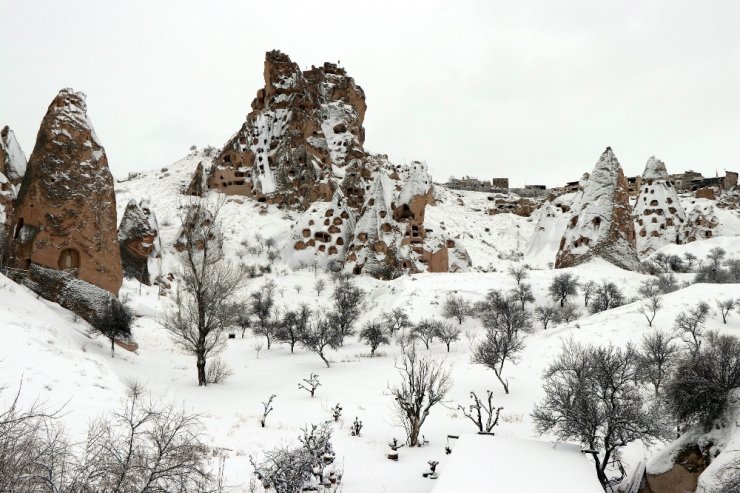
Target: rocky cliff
x: 600, y: 224
x: 12, y: 169
x: 65, y: 217
x: 138, y: 238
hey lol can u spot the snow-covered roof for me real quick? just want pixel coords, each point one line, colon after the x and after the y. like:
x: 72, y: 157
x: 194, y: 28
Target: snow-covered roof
x: 494, y: 464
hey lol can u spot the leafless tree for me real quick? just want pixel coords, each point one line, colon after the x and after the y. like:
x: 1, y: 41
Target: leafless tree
x: 588, y: 289
x: 321, y: 335
x: 567, y: 313
x: 114, y: 322
x: 204, y: 295
x: 396, y: 320
x: 425, y: 330
x: 347, y: 298
x: 519, y: 274
x: 267, y: 409
x: 262, y: 307
x: 310, y: 384
x: 649, y: 308
x: 293, y: 325
x: 691, y: 325
x: 562, y: 287
x: 657, y: 358
x: 374, y: 334
x: 523, y: 292
x: 424, y: 383
x: 455, y: 307
x: 725, y: 307
x: 447, y: 333
x: 545, y: 314
x: 478, y: 410
x: 319, y: 285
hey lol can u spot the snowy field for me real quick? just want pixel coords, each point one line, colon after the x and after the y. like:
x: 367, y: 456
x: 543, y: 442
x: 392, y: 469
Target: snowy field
x: 59, y: 363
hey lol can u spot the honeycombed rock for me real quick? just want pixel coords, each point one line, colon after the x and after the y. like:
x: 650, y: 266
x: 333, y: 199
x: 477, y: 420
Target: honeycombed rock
x: 138, y: 238
x: 658, y: 214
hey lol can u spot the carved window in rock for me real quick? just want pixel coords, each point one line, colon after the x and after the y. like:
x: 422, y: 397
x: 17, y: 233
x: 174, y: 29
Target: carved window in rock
x: 69, y: 259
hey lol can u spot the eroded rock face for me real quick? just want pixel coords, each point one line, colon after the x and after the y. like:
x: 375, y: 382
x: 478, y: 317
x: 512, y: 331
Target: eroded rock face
x: 65, y: 217
x: 601, y: 221
x: 658, y: 214
x: 301, y: 124
x: 12, y: 169
x: 198, y: 184
x: 138, y: 238
x: 700, y: 224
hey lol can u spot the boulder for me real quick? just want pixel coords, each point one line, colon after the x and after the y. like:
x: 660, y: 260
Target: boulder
x: 65, y: 218
x: 138, y: 238
x: 658, y: 215
x: 12, y: 169
x: 600, y: 222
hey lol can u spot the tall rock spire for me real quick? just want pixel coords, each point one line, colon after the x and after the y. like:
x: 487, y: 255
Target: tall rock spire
x: 65, y: 217
x: 601, y: 221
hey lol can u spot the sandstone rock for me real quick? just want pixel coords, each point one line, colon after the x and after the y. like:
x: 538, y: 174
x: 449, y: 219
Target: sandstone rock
x: 658, y: 214
x: 198, y: 184
x: 198, y: 231
x: 705, y: 193
x: 322, y: 234
x: 508, y: 204
x: 12, y: 169
x: 701, y: 223
x: 138, y: 238
x: 65, y: 217
x: 600, y: 224
x: 301, y: 124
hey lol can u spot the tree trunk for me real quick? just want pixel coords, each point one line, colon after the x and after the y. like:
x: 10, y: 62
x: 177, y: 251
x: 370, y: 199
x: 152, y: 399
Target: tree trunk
x: 201, y: 364
x: 414, y: 430
x: 504, y: 383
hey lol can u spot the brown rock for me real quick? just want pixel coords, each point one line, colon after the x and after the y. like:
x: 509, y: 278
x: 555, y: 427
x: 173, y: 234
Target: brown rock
x: 705, y: 193
x: 198, y: 184
x: 138, y: 238
x: 65, y: 217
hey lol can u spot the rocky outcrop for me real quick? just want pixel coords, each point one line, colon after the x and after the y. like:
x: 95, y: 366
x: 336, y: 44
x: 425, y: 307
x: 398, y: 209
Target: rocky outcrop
x: 705, y: 193
x: 302, y: 125
x: 198, y: 183
x: 65, y: 217
x: 138, y: 238
x: 658, y: 214
x: 503, y: 204
x: 322, y: 234
x: 601, y: 224
x: 198, y: 231
x: 12, y: 169
x: 701, y: 223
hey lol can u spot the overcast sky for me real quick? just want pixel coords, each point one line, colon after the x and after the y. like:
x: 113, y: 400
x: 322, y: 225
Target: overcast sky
x: 530, y: 90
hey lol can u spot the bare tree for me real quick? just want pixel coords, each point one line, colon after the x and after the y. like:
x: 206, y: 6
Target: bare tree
x: 691, y: 325
x: 347, y: 298
x: 567, y: 313
x: 207, y: 286
x: 455, y: 307
x: 396, y: 320
x: 267, y: 409
x: 591, y: 397
x: 587, y: 289
x: 545, y: 314
x: 478, y: 410
x: 523, y: 292
x: 293, y: 325
x: 562, y: 287
x: 519, y: 274
x: 607, y: 295
x: 310, y: 384
x: 424, y: 384
x: 725, y: 307
x: 425, y: 330
x: 657, y: 358
x: 374, y: 334
x: 447, y: 333
x: 114, y: 322
x: 319, y: 285
x: 262, y: 307
x: 321, y: 335
x: 650, y: 307
x: 504, y: 321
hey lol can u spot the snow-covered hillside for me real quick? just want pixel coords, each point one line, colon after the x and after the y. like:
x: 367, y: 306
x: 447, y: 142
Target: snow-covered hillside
x: 52, y: 354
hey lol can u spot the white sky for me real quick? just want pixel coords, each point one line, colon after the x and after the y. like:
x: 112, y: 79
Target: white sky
x: 532, y: 90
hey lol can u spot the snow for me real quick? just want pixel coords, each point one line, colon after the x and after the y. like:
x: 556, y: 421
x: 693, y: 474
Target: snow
x: 482, y: 463
x: 15, y: 165
x: 58, y: 361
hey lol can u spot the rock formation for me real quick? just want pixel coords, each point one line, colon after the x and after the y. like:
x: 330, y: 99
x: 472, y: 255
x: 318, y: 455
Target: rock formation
x: 301, y: 148
x: 12, y: 169
x: 138, y: 238
x: 302, y: 124
x: 198, y: 183
x: 700, y: 224
x: 658, y: 214
x: 600, y: 224
x: 65, y: 218
x: 323, y: 233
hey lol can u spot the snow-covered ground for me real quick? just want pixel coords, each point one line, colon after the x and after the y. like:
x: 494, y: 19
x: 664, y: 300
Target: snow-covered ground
x: 59, y: 363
